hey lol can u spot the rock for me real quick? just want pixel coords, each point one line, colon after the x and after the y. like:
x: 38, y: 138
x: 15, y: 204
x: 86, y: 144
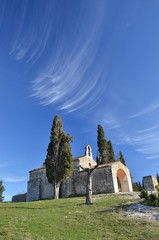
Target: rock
x: 139, y: 210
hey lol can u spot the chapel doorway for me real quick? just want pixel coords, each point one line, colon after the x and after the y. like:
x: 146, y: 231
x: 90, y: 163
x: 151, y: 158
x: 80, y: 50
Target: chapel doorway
x: 122, y: 180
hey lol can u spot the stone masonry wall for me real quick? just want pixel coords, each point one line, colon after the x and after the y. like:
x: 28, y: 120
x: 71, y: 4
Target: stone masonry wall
x: 150, y: 183
x: 38, y: 186
x: 102, y: 182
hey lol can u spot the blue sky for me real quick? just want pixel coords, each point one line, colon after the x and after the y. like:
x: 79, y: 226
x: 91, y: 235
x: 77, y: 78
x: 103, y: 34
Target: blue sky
x: 92, y: 62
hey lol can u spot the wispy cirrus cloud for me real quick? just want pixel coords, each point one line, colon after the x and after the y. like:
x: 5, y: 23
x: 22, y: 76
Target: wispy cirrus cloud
x: 30, y: 42
x: 110, y: 122
x: 69, y: 75
x: 144, y: 141
x: 140, y: 130
x: 72, y: 79
x: 141, y: 134
x: 14, y: 179
x: 148, y: 129
x: 148, y: 109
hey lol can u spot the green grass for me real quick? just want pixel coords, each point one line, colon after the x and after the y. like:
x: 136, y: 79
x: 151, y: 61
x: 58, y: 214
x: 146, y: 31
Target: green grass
x: 71, y: 219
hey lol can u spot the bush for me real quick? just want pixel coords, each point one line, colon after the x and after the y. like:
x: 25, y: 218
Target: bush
x: 144, y: 194
x: 152, y: 199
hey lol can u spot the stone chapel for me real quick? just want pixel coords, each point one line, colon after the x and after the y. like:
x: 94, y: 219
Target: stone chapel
x: 107, y: 178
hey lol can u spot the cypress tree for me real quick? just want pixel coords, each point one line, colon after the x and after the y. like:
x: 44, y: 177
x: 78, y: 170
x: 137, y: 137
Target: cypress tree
x: 157, y: 176
x: 111, y: 155
x: 121, y: 158
x: 139, y: 186
x: 102, y: 146
x: 59, y: 161
x: 2, y: 189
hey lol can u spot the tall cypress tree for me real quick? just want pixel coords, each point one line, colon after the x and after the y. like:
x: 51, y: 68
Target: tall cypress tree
x: 102, y: 146
x: 2, y: 189
x: 59, y: 161
x: 121, y: 158
x: 157, y: 176
x: 111, y: 155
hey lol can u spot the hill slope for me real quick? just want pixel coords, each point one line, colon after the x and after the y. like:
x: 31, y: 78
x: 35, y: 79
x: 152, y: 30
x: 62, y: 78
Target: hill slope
x: 71, y: 219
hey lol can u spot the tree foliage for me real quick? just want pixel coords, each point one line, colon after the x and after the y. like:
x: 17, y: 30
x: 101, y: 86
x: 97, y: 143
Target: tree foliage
x: 121, y: 158
x: 137, y: 186
x: 2, y: 189
x: 59, y: 161
x: 110, y: 155
x: 102, y: 146
x: 157, y: 176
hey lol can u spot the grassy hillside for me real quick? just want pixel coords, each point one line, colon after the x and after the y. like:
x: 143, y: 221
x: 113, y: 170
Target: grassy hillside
x: 72, y: 219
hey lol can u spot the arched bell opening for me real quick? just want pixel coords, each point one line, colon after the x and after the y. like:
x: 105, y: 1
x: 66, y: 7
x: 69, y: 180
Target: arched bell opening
x: 122, y: 181
x: 89, y: 151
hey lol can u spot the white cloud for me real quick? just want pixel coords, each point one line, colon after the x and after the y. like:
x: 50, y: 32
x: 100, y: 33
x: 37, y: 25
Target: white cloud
x: 31, y: 41
x: 153, y: 157
x: 72, y: 79
x: 111, y: 123
x: 14, y: 179
x: 148, y: 129
x: 144, y: 141
x: 148, y: 109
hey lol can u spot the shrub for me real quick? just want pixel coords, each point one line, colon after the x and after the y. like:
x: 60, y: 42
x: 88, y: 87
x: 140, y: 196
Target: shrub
x: 152, y: 199
x: 144, y: 194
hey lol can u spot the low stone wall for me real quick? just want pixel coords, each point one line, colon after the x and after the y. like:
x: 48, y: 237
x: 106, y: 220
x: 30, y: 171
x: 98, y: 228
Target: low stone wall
x: 19, y: 197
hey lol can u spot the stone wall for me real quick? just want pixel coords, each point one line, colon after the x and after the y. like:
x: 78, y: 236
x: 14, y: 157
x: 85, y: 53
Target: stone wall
x: 150, y: 183
x: 102, y: 181
x: 19, y: 197
x: 75, y: 184
x: 38, y: 186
